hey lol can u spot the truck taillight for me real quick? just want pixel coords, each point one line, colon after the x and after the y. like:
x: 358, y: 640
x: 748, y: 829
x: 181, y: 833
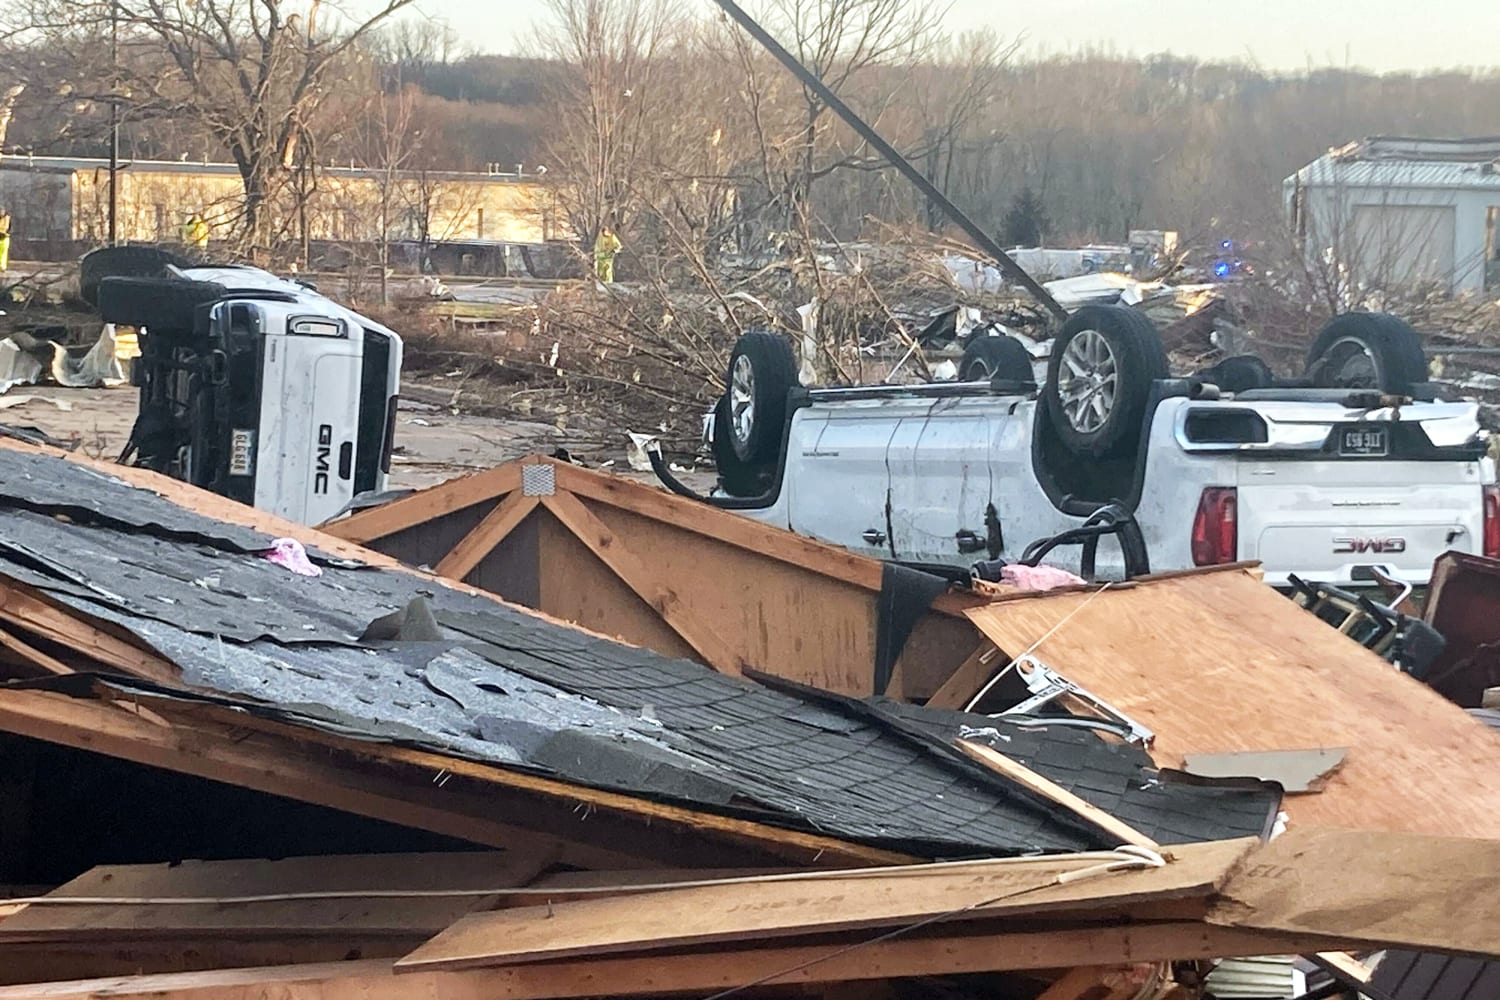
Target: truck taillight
x: 1216, y: 527
x: 1492, y: 521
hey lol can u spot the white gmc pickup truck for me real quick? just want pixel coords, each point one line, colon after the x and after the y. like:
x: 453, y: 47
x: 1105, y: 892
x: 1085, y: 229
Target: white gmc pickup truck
x: 1353, y: 469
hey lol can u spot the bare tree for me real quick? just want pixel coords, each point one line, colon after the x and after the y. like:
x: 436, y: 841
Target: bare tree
x: 845, y: 43
x: 253, y: 74
x: 390, y: 141
x: 608, y: 102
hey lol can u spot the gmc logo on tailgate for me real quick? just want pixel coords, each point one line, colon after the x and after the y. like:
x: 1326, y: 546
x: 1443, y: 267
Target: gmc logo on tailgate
x: 321, y: 463
x: 1377, y: 545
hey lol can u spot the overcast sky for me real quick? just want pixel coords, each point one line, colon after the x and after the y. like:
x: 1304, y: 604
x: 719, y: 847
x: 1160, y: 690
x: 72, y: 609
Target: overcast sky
x: 1276, y: 34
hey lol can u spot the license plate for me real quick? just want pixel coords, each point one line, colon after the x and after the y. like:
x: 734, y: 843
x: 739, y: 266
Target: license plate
x: 1364, y: 442
x: 241, y: 452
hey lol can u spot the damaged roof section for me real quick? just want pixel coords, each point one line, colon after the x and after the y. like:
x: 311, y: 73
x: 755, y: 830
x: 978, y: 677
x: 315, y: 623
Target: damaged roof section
x: 496, y: 685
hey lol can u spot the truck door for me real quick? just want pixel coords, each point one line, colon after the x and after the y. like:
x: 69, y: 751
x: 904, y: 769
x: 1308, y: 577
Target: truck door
x: 837, y: 477
x: 941, y: 482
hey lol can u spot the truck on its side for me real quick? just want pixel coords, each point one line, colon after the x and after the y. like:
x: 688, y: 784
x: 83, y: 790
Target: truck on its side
x: 252, y: 386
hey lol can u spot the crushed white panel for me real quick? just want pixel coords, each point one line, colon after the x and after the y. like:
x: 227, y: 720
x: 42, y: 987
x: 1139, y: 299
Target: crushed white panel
x: 1268, y: 978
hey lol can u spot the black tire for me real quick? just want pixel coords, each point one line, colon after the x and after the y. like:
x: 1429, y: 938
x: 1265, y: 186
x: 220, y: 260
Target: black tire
x: 123, y: 262
x: 1135, y: 359
x: 1239, y: 373
x: 989, y: 356
x: 1367, y: 351
x: 761, y: 372
x: 735, y: 477
x: 161, y: 305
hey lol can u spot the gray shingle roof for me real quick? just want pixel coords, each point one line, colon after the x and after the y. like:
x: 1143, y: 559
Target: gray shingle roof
x: 510, y: 688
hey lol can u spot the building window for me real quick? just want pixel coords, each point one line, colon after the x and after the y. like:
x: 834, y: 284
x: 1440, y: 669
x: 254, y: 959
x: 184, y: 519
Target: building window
x: 479, y: 223
x: 163, y: 224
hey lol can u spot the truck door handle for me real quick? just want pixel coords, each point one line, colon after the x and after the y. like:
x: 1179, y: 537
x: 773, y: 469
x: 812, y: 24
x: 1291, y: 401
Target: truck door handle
x: 873, y: 537
x: 969, y: 542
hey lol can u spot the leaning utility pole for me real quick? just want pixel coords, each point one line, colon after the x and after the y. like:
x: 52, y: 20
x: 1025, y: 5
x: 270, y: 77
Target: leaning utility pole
x: 814, y: 83
x: 114, y: 123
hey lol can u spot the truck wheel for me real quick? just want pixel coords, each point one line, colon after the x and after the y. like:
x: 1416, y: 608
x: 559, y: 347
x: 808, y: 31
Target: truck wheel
x: 161, y: 305
x: 988, y: 356
x: 122, y: 262
x: 762, y: 371
x: 735, y: 477
x: 1367, y: 351
x: 1099, y: 379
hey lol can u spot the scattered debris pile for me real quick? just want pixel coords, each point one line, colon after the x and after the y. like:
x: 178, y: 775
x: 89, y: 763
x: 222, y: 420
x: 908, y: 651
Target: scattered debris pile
x: 475, y: 797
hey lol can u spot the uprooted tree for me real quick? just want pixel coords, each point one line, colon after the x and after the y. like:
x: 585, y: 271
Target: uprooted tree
x: 254, y: 76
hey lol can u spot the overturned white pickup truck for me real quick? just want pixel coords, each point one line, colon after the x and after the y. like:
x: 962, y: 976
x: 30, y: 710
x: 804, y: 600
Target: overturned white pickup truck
x: 1355, y: 469
x: 252, y: 386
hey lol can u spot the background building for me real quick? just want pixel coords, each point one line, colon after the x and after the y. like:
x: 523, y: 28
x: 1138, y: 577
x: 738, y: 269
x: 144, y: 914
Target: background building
x: 64, y: 203
x: 1394, y: 211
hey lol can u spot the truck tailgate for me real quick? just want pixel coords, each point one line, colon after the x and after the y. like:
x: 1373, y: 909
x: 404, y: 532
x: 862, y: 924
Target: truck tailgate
x: 1330, y: 520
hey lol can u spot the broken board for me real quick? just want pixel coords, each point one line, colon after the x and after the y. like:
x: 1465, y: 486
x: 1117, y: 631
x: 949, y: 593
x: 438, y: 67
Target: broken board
x: 1218, y: 662
x: 819, y: 905
x: 356, y: 910
x: 1401, y: 890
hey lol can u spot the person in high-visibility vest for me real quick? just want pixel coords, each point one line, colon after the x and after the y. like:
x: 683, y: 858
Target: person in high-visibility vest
x: 605, y: 248
x: 4, y: 240
x: 195, y: 233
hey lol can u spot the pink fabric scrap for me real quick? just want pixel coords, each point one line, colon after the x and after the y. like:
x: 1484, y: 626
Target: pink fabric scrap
x: 289, y: 552
x: 1038, y: 577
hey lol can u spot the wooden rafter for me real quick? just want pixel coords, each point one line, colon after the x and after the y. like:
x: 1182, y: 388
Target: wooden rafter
x: 23, y: 607
x: 473, y: 547
x: 456, y: 494
x: 1055, y: 793
x: 634, y: 572
x: 968, y: 678
x: 473, y: 802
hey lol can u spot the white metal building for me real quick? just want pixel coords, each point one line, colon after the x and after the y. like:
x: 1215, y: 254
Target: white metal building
x: 1398, y: 211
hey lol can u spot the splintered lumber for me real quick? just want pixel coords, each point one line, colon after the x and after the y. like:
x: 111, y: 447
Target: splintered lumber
x: 362, y: 900
x: 481, y: 804
x: 1399, y: 890
x: 701, y: 971
x: 819, y: 905
x: 1055, y: 793
x: 1218, y: 663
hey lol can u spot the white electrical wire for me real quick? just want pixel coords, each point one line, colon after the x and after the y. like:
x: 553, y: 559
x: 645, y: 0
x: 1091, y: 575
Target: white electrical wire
x: 1032, y: 648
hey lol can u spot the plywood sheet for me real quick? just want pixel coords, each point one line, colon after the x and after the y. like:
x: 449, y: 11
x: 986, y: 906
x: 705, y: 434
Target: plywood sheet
x: 1400, y: 890
x: 422, y: 910
x: 1217, y: 662
x: 768, y: 909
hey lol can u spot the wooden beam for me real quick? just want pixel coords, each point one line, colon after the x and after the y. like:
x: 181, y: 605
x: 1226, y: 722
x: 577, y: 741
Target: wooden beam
x: 766, y: 909
x: 830, y: 961
x: 1053, y: 792
x: 473, y: 547
x: 970, y: 676
x: 22, y: 607
x: 435, y: 889
x: 455, y: 494
x: 29, y: 653
x: 1398, y: 890
x: 474, y: 802
x: 615, y: 553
